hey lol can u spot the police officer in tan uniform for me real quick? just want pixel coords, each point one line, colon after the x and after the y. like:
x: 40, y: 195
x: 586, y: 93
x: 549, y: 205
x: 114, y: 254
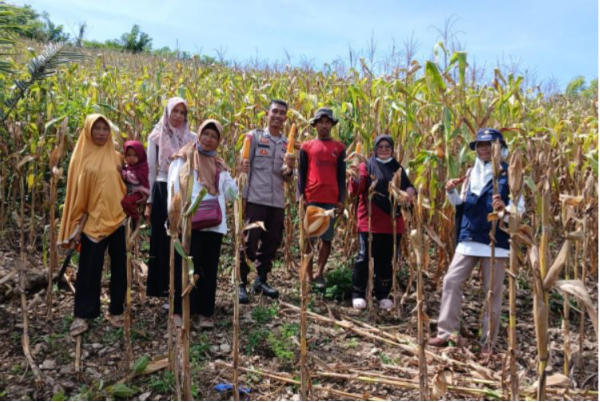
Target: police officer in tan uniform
x: 265, y: 198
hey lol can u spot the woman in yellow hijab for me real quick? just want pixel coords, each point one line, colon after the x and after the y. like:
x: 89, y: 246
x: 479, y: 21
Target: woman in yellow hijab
x: 93, y: 207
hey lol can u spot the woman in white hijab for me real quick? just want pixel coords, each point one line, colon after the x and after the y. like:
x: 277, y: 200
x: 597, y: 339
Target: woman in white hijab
x: 473, y: 205
x: 168, y: 137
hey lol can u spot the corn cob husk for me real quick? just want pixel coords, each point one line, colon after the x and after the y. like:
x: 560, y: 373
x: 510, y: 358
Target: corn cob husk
x: 246, y: 148
x: 291, y: 139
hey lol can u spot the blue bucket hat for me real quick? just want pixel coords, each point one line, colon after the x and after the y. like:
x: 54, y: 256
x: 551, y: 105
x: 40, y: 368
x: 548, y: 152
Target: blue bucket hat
x: 487, y: 134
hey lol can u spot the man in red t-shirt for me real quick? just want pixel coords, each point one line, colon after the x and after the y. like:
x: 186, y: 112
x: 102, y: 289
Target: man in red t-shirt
x: 322, y: 178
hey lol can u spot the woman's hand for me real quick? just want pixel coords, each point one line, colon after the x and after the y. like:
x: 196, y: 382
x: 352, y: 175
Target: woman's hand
x: 412, y: 193
x: 451, y: 184
x: 148, y: 211
x: 497, y: 203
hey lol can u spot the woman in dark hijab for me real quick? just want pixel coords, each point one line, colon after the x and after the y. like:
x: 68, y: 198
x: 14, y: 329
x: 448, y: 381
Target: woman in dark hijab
x: 382, y: 166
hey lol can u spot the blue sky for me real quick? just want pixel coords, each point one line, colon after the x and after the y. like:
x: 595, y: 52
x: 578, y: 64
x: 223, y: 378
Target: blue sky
x: 551, y: 38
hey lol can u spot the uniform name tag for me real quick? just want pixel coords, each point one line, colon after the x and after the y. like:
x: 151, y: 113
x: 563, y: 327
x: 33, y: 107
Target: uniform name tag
x: 264, y: 140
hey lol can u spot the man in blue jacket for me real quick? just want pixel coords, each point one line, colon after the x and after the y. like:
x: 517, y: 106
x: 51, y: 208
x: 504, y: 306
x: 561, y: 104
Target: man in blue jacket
x: 476, y: 201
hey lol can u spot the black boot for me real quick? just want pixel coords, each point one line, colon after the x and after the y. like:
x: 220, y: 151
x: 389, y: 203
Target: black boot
x: 243, y: 297
x: 261, y: 286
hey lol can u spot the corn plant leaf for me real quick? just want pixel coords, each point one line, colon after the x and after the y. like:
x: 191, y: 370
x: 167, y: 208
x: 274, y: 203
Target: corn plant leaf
x: 254, y: 225
x: 141, y: 364
x: 577, y: 289
x: 557, y: 265
x: 194, y: 207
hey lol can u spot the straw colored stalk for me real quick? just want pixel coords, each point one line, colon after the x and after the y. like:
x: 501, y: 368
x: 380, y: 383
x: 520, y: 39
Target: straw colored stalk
x: 239, y: 239
x: 186, y: 183
x: 55, y: 175
x: 22, y: 273
x: 128, y: 358
x: 540, y: 301
x: 394, y: 189
x: 369, y: 291
x: 288, y: 380
x: 289, y: 194
x: 588, y: 196
x: 494, y: 217
x: 419, y: 242
x: 174, y: 219
x: 305, y: 260
x: 515, y: 177
x: 566, y: 209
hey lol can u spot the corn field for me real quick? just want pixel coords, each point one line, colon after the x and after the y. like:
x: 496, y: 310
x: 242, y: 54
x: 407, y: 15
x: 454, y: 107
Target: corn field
x: 432, y: 111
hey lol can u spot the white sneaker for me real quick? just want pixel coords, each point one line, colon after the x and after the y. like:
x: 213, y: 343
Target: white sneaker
x: 386, y: 304
x: 359, y: 304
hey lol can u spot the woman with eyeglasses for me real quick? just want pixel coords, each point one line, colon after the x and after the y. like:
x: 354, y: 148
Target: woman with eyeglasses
x: 382, y: 166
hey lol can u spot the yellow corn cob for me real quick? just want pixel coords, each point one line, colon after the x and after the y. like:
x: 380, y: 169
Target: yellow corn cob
x: 358, y: 149
x: 291, y: 139
x: 246, y: 148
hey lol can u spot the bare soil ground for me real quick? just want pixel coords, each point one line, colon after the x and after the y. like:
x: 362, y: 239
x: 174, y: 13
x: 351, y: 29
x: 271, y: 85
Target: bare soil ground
x: 270, y: 344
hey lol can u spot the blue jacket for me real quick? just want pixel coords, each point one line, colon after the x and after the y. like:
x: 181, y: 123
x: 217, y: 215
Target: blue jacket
x: 474, y: 225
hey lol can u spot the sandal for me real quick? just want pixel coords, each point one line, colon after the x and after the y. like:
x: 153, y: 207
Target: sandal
x: 117, y: 321
x: 78, y: 327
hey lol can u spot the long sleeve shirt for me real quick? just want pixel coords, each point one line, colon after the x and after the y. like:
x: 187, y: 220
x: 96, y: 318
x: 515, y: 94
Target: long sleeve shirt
x: 227, y: 191
x: 477, y: 249
x: 381, y: 222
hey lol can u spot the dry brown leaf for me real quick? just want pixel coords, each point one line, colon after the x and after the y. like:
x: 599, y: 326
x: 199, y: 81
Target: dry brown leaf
x: 577, y: 289
x: 571, y: 199
x: 254, y: 225
x: 434, y: 237
x: 442, y: 379
x: 553, y: 380
x: 557, y: 266
x: 515, y: 173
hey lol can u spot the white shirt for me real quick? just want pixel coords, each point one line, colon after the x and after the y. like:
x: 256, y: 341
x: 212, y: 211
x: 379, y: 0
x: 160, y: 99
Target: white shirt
x: 227, y: 191
x: 476, y: 249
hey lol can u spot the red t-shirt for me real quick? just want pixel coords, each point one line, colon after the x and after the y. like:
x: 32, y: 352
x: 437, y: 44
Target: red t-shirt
x: 322, y: 162
x: 380, y: 221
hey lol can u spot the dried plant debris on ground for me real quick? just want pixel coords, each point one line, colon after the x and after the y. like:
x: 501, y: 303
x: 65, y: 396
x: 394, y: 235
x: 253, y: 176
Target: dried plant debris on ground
x: 350, y: 355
